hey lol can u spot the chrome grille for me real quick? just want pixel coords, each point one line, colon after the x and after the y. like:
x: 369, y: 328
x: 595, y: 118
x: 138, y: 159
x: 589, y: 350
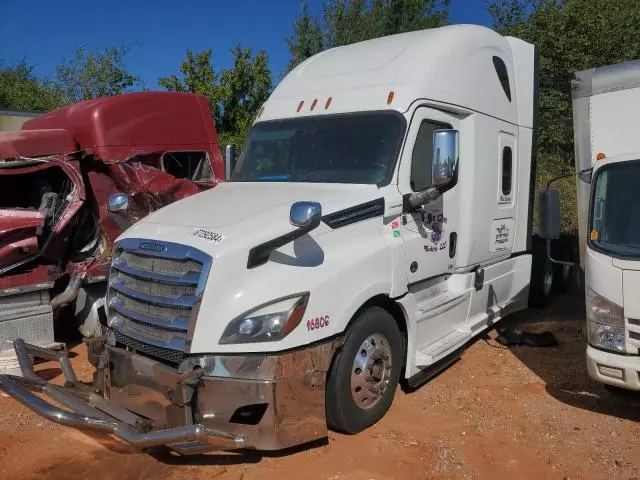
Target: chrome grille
x: 147, y: 263
x: 148, y: 308
x: 154, y: 294
x: 154, y: 288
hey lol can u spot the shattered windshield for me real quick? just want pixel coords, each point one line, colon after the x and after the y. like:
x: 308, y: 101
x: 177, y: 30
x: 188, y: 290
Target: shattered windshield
x: 353, y: 148
x: 615, y: 209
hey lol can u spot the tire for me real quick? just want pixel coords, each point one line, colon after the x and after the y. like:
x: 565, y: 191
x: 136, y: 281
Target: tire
x: 542, y: 279
x: 562, y: 276
x: 372, y: 355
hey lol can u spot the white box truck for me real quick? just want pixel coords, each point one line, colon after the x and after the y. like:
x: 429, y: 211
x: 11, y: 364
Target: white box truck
x: 607, y: 153
x: 378, y: 219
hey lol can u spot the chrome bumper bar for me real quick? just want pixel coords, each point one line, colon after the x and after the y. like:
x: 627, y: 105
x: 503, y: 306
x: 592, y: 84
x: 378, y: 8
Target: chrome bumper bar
x: 90, y: 411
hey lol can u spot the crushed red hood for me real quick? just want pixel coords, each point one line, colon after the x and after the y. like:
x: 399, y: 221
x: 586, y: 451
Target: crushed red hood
x: 57, y: 173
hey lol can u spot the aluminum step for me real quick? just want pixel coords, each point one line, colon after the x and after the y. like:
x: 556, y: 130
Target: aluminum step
x: 441, y: 347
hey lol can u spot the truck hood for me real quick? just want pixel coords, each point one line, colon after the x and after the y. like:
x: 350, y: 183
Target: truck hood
x: 231, y: 203
x: 240, y: 215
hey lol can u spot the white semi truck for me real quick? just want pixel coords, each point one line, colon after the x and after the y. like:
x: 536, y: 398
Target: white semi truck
x: 607, y: 155
x: 378, y: 219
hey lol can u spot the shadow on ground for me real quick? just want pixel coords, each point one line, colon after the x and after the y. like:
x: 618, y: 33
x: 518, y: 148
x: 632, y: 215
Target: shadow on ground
x: 563, y: 368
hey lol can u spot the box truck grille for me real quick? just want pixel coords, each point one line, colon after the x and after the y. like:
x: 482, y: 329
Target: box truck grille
x: 154, y: 293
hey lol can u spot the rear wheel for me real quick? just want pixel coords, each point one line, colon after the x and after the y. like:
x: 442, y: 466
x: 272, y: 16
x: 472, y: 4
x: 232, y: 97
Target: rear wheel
x: 562, y: 278
x: 364, y: 374
x: 542, y: 279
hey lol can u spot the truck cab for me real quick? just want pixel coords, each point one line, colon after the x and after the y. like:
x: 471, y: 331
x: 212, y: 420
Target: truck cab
x: 56, y: 175
x: 378, y: 219
x: 608, y: 157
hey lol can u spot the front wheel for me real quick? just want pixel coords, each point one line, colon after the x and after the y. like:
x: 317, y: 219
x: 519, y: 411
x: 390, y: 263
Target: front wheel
x: 365, y: 373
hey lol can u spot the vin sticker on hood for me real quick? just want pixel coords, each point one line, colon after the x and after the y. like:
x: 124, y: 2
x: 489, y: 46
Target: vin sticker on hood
x: 208, y: 235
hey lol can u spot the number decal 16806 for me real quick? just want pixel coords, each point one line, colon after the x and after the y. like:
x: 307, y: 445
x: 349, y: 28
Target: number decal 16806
x: 318, y: 322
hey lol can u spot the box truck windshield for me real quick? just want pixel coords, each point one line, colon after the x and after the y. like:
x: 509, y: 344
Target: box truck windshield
x: 352, y: 148
x: 615, y: 211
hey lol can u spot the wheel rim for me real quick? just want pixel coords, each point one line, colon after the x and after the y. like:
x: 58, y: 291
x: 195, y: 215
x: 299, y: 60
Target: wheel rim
x: 371, y: 371
x: 547, y: 282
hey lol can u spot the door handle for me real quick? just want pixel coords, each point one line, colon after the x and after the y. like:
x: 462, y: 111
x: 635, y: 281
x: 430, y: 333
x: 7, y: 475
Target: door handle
x: 453, y: 239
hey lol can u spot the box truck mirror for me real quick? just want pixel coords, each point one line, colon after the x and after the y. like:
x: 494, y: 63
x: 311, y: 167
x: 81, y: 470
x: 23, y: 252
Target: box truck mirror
x: 549, y: 213
x: 585, y: 175
x: 445, y: 157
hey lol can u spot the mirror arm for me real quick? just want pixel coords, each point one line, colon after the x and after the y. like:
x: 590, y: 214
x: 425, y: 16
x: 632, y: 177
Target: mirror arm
x: 565, y: 175
x: 259, y: 255
x: 412, y: 201
x: 553, y: 260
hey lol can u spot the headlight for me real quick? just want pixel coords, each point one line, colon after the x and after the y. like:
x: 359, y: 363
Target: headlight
x: 267, y: 323
x: 605, y: 322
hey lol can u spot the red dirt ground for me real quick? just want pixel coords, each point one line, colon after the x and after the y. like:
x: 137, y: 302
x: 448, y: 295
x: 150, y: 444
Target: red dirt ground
x: 522, y: 413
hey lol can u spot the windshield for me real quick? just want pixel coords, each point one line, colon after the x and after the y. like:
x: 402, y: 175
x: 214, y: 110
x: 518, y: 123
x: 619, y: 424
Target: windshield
x: 349, y: 148
x: 615, y: 209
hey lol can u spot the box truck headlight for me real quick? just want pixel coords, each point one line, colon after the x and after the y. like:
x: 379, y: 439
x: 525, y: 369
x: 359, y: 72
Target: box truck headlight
x: 267, y: 323
x: 605, y: 323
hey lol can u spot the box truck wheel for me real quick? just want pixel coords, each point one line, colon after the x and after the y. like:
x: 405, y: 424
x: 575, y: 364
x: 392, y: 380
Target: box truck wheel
x: 365, y: 372
x: 562, y: 278
x: 542, y: 279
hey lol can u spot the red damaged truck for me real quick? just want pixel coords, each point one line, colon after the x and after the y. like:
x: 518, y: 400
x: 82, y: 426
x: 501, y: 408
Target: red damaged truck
x: 60, y: 211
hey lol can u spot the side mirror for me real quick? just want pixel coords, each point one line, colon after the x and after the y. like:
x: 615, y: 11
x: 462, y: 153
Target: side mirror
x: 305, y: 214
x: 585, y: 175
x: 549, y: 214
x: 118, y: 203
x: 445, y: 157
x: 228, y: 162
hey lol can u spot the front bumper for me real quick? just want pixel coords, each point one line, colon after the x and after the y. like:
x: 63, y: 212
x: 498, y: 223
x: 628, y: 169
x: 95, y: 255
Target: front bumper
x: 613, y: 369
x: 266, y: 402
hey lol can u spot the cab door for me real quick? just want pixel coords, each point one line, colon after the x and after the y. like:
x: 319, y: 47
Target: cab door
x: 429, y: 233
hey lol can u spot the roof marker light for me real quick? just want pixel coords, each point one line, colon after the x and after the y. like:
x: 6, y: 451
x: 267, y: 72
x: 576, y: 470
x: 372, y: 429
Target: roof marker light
x: 300, y: 105
x: 313, y: 105
x: 326, y: 105
x: 390, y: 97
x: 600, y: 156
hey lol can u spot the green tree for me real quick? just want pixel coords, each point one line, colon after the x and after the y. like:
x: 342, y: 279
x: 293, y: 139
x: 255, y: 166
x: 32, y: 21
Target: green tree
x: 20, y: 89
x: 95, y: 74
x: 236, y: 94
x: 570, y: 35
x: 198, y: 76
x: 307, y: 39
x: 348, y: 21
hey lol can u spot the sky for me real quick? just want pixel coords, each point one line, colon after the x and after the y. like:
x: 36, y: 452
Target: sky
x: 159, y: 32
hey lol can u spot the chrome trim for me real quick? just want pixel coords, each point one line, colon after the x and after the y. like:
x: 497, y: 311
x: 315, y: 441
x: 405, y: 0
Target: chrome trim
x: 26, y: 289
x: 179, y: 324
x: 147, y: 403
x: 181, y: 301
x: 174, y: 340
x: 86, y: 417
x: 190, y: 278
